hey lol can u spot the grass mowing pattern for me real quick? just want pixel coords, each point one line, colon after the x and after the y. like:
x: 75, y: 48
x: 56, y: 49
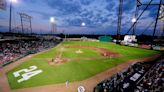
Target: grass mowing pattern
x: 74, y: 71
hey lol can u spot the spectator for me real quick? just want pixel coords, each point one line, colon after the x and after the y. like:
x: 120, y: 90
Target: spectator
x: 150, y: 74
x: 10, y: 51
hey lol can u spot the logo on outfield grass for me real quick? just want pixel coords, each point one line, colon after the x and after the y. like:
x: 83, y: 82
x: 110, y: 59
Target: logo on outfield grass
x: 26, y: 73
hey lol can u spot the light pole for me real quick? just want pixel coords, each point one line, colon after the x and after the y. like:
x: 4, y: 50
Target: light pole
x: 53, y: 25
x: 65, y: 35
x: 134, y: 21
x: 11, y: 2
x: 119, y: 23
x: 83, y: 24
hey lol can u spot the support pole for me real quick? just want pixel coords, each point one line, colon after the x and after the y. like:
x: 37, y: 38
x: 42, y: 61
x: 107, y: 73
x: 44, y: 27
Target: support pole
x: 30, y: 26
x: 119, y: 20
x: 10, y: 17
x: 139, y: 17
x: 156, y: 24
x: 136, y: 15
x: 139, y: 2
x: 22, y: 24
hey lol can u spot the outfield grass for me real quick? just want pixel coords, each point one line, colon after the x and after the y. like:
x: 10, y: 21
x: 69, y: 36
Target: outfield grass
x: 74, y: 71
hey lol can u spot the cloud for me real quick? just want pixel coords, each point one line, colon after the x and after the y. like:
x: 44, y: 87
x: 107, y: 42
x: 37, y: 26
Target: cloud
x: 65, y: 6
x: 86, y: 2
x: 93, y: 12
x: 97, y: 14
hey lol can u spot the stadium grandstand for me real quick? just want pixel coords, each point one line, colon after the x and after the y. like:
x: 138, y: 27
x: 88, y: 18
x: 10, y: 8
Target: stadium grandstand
x: 12, y: 49
x: 81, y: 46
x: 139, y: 77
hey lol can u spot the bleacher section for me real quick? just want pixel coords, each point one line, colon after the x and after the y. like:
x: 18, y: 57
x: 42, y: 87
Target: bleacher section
x: 140, y: 77
x: 12, y: 50
x: 153, y: 80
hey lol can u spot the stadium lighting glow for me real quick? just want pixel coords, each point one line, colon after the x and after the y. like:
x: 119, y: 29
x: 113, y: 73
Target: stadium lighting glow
x: 52, y: 20
x: 13, y: 1
x: 83, y: 24
x: 10, y: 19
x: 134, y: 20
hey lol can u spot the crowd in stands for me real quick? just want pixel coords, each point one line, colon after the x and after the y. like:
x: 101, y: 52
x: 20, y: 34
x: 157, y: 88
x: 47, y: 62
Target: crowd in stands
x: 12, y: 50
x: 153, y: 81
x: 136, y: 78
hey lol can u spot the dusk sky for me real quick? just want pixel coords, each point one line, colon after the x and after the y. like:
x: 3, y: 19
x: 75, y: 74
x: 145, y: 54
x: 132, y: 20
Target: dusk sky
x: 100, y: 16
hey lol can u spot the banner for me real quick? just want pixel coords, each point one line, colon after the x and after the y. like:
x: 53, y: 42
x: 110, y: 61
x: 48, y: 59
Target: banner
x: 3, y: 4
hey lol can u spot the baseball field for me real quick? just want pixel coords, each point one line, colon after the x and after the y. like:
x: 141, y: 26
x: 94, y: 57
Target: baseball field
x: 72, y: 61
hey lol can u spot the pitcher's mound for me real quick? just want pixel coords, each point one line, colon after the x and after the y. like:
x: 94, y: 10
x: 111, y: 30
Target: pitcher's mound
x: 58, y: 60
x: 79, y: 52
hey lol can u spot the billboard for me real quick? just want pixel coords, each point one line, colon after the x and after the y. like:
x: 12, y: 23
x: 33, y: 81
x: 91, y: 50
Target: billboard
x: 130, y: 38
x: 3, y: 4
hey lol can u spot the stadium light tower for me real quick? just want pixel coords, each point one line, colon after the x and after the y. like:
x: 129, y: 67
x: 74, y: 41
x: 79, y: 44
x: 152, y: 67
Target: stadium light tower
x: 83, y: 24
x: 134, y: 20
x: 11, y: 2
x: 53, y: 24
x: 52, y: 20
